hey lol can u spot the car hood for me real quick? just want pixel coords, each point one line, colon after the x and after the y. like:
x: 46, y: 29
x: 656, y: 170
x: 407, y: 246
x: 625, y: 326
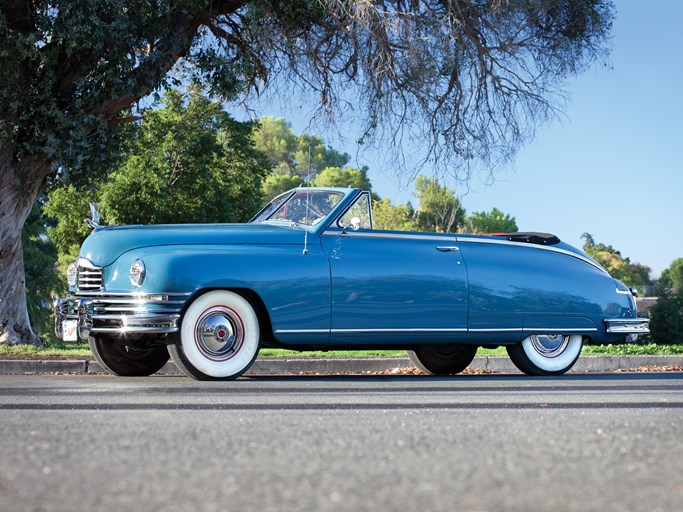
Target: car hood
x: 106, y: 244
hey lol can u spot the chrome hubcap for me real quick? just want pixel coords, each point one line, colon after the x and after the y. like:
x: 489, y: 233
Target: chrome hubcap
x: 549, y: 345
x: 219, y: 333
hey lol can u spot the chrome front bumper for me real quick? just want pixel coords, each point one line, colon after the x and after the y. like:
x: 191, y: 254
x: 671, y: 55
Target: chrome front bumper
x: 631, y: 328
x: 120, y: 313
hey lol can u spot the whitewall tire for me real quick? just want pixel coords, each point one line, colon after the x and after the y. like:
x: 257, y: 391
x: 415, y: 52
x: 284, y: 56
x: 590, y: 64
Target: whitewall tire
x: 546, y: 354
x: 218, y: 338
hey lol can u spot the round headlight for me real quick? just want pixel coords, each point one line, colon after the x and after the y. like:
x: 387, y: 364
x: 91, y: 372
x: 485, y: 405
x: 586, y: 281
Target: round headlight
x: 72, y: 274
x: 137, y: 272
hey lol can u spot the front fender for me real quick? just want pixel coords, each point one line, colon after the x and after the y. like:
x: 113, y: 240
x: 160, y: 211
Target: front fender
x: 293, y: 286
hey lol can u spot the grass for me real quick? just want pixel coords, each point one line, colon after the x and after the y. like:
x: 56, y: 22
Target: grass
x: 55, y: 350
x: 61, y: 350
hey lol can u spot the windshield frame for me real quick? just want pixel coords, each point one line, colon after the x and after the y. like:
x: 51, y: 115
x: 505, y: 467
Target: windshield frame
x: 268, y: 212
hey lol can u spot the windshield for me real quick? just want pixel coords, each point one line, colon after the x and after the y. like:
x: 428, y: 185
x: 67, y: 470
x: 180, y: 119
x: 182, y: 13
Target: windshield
x: 304, y: 206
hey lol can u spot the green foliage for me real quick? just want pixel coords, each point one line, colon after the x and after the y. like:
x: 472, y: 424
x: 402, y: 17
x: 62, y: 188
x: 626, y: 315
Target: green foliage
x: 68, y: 68
x: 190, y: 162
x: 631, y: 274
x: 666, y: 318
x: 439, y: 209
x: 275, y: 138
x: 390, y: 217
x: 492, y: 222
x: 303, y: 155
x: 672, y: 277
x: 633, y: 349
x: 68, y: 205
x: 346, y: 177
x: 40, y: 267
x: 51, y: 348
x: 275, y: 184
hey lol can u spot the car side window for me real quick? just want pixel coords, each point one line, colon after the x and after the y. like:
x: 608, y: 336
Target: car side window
x: 359, y: 216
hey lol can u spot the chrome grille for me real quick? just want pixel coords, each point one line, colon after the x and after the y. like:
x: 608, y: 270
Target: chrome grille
x: 89, y: 278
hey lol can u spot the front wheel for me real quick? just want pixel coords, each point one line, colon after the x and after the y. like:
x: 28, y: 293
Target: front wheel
x: 218, y: 338
x: 119, y: 356
x: 546, y: 354
x: 444, y: 359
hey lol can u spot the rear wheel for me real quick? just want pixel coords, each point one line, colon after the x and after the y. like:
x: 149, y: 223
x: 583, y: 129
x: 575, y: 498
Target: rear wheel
x: 125, y: 359
x: 546, y: 354
x: 443, y: 359
x: 218, y: 338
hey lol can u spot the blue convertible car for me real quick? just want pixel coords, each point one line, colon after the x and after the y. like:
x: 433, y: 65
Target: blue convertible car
x: 309, y: 272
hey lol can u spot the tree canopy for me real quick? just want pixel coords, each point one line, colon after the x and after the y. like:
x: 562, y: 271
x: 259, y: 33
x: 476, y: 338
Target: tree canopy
x: 188, y: 161
x: 439, y: 208
x: 631, y: 274
x: 346, y: 177
x: 468, y: 79
x: 302, y: 155
x: 494, y: 221
x: 673, y: 275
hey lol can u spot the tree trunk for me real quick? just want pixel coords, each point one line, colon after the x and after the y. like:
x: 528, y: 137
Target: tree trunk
x: 20, y: 182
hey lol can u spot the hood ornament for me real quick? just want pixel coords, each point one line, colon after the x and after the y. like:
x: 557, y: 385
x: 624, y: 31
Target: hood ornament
x: 94, y: 221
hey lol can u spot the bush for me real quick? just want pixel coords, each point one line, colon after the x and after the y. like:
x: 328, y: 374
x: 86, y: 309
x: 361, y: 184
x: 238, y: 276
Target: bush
x: 666, y: 318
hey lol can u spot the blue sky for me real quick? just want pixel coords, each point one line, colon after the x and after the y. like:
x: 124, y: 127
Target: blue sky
x: 612, y: 167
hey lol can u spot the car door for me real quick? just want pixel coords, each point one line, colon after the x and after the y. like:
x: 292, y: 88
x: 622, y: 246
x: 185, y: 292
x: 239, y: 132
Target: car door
x: 395, y: 287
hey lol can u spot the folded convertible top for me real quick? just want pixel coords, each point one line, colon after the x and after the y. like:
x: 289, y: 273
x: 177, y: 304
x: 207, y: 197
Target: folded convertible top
x: 530, y: 238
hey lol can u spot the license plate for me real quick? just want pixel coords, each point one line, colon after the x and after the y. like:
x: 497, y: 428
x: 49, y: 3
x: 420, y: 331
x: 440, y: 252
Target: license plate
x: 70, y: 328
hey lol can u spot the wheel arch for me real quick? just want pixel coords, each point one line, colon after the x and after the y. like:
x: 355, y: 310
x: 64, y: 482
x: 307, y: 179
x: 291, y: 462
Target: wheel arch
x: 254, y: 299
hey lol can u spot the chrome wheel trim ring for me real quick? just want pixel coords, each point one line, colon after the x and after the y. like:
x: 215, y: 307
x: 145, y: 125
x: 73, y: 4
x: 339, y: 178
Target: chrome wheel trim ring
x: 549, y: 345
x: 219, y: 333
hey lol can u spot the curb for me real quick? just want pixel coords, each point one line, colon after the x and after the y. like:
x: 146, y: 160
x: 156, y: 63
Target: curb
x: 333, y: 366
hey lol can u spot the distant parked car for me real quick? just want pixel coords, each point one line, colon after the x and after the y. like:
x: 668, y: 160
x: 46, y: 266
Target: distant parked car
x: 309, y: 272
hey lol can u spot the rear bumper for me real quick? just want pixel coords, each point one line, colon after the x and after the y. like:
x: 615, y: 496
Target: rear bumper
x: 631, y: 328
x: 119, y: 313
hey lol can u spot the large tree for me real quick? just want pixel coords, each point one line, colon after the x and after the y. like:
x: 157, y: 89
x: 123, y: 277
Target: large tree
x: 439, y: 208
x: 494, y: 221
x: 187, y: 161
x: 302, y: 155
x: 672, y: 277
x: 619, y: 267
x: 469, y: 78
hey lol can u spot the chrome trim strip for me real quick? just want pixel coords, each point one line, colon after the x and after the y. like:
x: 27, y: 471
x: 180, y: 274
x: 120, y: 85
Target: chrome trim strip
x: 134, y: 330
x: 434, y: 330
x: 624, y: 292
x: 397, y: 236
x: 139, y: 319
x: 532, y: 246
x: 510, y: 329
x: 302, y: 331
x: 537, y: 329
x: 137, y: 301
x: 132, y: 295
x: 86, y: 263
x: 137, y: 309
x: 572, y: 329
x: 333, y: 331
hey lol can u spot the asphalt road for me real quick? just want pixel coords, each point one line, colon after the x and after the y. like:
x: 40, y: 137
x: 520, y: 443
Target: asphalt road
x: 598, y: 442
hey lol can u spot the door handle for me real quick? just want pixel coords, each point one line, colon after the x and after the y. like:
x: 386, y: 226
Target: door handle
x: 447, y: 248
